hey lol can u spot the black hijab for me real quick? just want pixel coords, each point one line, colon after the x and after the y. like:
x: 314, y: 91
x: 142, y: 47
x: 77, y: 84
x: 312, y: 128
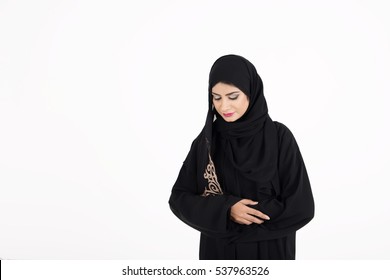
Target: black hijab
x: 250, y: 143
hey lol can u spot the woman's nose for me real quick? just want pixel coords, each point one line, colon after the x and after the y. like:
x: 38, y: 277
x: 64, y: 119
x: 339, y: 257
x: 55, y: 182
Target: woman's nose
x: 225, y: 105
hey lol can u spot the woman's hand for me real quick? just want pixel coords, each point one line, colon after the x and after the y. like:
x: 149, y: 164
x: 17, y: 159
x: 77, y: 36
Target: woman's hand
x: 245, y: 215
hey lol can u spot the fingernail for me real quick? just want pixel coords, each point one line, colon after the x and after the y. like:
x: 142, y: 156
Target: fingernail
x: 268, y: 218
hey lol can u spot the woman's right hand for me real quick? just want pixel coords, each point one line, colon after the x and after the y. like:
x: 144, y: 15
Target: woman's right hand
x: 245, y: 215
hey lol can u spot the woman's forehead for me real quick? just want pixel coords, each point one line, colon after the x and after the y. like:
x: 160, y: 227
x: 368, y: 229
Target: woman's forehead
x: 224, y: 88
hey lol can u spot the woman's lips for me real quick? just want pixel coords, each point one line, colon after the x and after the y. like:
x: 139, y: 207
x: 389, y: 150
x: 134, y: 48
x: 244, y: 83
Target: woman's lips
x: 227, y: 115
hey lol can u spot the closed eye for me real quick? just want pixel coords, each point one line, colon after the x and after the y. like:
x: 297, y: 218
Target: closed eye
x: 231, y: 96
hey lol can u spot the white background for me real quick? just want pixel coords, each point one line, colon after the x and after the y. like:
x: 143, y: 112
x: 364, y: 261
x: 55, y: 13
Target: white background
x: 100, y: 100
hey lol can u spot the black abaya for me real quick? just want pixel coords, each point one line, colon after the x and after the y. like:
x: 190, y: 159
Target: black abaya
x: 287, y: 200
x: 253, y: 158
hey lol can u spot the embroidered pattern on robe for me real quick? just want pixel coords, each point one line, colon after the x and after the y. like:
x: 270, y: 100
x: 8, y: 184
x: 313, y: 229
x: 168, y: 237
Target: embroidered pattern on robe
x: 213, y: 187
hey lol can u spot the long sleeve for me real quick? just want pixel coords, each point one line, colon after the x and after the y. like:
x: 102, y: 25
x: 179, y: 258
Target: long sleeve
x: 293, y: 206
x: 208, y: 214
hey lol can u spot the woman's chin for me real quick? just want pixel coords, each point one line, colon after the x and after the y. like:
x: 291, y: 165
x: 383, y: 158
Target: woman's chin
x: 230, y: 119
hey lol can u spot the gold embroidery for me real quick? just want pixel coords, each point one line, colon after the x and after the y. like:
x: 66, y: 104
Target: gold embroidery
x: 213, y: 187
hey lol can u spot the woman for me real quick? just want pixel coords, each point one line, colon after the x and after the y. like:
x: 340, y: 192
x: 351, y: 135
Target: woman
x: 244, y: 184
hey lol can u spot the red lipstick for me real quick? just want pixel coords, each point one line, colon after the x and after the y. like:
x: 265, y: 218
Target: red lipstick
x: 227, y: 115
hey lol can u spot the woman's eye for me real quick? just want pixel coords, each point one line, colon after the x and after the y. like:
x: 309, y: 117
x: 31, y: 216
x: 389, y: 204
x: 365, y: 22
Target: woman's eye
x: 233, y: 97
x: 216, y: 98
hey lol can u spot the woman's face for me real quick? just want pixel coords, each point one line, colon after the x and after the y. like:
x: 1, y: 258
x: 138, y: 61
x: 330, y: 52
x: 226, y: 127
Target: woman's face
x: 230, y: 102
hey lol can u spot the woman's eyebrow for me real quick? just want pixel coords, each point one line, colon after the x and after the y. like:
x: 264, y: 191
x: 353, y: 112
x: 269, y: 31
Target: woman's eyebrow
x: 230, y: 93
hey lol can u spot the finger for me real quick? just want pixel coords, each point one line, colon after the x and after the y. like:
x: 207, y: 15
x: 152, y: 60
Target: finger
x: 248, y: 202
x: 253, y: 219
x: 256, y: 213
x: 259, y: 214
x: 241, y: 221
x: 245, y: 222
